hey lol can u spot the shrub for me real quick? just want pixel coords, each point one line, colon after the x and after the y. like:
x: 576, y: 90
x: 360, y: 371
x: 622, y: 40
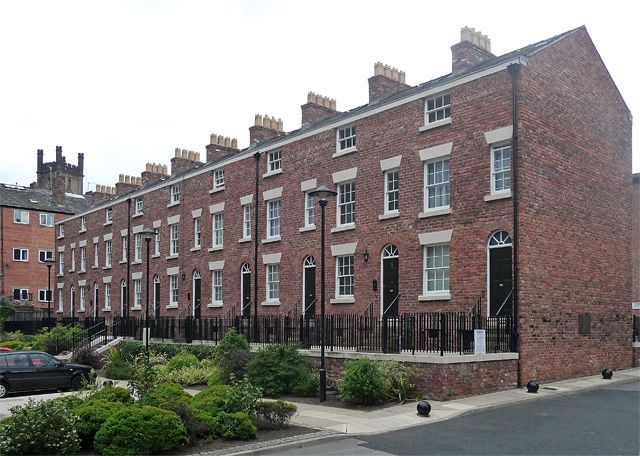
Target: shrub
x: 209, y: 401
x: 276, y: 369
x: 140, y: 430
x: 363, y: 381
x: 188, y: 376
x: 112, y: 394
x: 232, y: 426
x: 116, y: 365
x: 399, y: 377
x: 164, y: 394
x: 197, y: 428
x: 85, y: 356
x: 274, y: 414
x: 132, y: 348
x: 232, y: 339
x: 308, y: 384
x: 69, y: 401
x: 143, y: 377
x: 241, y: 397
x: 39, y: 427
x: 182, y: 360
x: 233, y: 361
x: 92, y: 414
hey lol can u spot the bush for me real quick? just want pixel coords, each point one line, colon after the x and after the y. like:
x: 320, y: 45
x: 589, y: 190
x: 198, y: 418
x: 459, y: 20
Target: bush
x: 276, y: 369
x: 140, y: 430
x: 132, y: 348
x: 86, y: 356
x: 112, y: 394
x: 209, y: 401
x: 165, y: 394
x: 231, y: 426
x: 308, y: 384
x: 241, y: 397
x: 117, y: 366
x: 42, y: 427
x: 232, y: 339
x: 363, y: 381
x: 182, y: 360
x: 70, y: 401
x: 233, y: 361
x: 92, y: 414
x: 399, y: 377
x: 143, y: 377
x: 274, y: 414
x: 197, y: 428
x: 188, y: 376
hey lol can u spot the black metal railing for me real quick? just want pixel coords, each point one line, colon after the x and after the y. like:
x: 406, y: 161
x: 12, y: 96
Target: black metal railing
x: 636, y: 328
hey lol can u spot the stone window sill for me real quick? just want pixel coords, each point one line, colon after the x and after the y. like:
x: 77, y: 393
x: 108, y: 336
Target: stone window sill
x: 216, y: 248
x: 272, y: 173
x: 195, y: 249
x: 216, y: 190
x: 435, y: 212
x: 107, y: 223
x: 342, y: 301
x: 498, y: 196
x: 273, y: 239
x: 344, y: 152
x: 175, y: 203
x: 389, y: 215
x: 172, y: 257
x: 437, y: 124
x: 139, y: 214
x: 172, y: 306
x: 215, y: 304
x: 271, y: 303
x: 307, y: 228
x: 435, y: 297
x: 346, y: 227
x: 240, y: 241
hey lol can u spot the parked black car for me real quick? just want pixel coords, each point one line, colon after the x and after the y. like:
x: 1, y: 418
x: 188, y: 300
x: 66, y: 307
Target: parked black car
x: 34, y: 370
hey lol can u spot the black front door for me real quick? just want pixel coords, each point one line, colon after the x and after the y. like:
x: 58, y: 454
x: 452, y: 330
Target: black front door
x: 390, y: 290
x: 309, y: 292
x: 196, y: 297
x: 500, y: 281
x: 95, y: 302
x: 246, y: 294
x: 156, y: 296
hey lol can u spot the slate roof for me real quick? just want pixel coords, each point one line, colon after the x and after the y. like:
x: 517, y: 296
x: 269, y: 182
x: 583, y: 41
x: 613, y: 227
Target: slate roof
x: 38, y: 199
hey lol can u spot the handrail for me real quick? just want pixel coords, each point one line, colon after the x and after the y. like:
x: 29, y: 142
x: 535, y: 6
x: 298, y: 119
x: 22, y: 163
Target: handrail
x: 244, y: 307
x: 504, y: 302
x: 369, y: 308
x: 232, y: 311
x: 474, y: 308
x: 389, y: 306
x: 309, y: 306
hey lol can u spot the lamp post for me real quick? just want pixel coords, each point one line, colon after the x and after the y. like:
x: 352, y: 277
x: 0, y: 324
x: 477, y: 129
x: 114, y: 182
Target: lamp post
x: 49, y: 262
x: 148, y: 233
x: 323, y: 194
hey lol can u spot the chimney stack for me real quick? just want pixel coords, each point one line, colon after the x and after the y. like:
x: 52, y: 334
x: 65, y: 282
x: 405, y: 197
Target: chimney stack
x: 58, y: 188
x: 101, y: 193
x: 317, y: 108
x: 221, y: 146
x: 153, y: 172
x: 127, y: 183
x: 385, y: 81
x: 473, y: 48
x: 184, y: 159
x: 265, y: 127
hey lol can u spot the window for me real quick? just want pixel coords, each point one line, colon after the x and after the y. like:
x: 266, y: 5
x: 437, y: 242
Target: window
x: 82, y: 298
x: 73, y: 259
x: 44, y: 255
x: 173, y: 245
x: 309, y: 209
x: 436, y: 268
x: 137, y: 240
x: 139, y: 206
x: 437, y: 192
x: 44, y: 295
x: 83, y: 259
x: 60, y: 263
x: 157, y: 242
x: 108, y: 215
x: 107, y: 296
x: 61, y: 230
x: 273, y: 282
x: 346, y: 203
x: 173, y: 290
x: 345, y: 276
x: 175, y: 194
x: 346, y: 139
x: 273, y: 218
x: 218, y: 179
x: 96, y: 263
x: 60, y: 300
x: 107, y: 254
x: 391, y: 193
x: 197, y: 232
x: 46, y: 219
x: 216, y: 287
x: 218, y: 230
x: 274, y: 161
x: 21, y: 294
x: 20, y: 254
x: 125, y: 247
x: 21, y: 217
x: 437, y: 108
x: 246, y: 221
x: 83, y: 224
x: 500, y: 169
x: 137, y: 293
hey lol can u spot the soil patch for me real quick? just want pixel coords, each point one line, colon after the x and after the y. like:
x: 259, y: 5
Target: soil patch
x: 333, y: 400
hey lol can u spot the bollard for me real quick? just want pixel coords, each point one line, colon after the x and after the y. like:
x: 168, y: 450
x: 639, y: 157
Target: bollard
x: 424, y: 408
x: 532, y: 386
x: 607, y: 374
x: 107, y: 383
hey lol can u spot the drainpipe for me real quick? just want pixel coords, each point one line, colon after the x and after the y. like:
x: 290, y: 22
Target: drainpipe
x: 126, y: 309
x: 256, y: 333
x: 2, y: 249
x: 514, y: 69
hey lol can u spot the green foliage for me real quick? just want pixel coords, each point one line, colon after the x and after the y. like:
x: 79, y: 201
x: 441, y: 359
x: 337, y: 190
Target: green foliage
x: 241, y: 397
x: 85, y: 356
x: 7, y: 308
x: 276, y: 369
x: 140, y: 430
x: 274, y: 414
x: 143, y: 377
x: 14, y: 344
x: 188, y: 376
x: 231, y: 426
x: 70, y: 401
x: 116, y: 365
x: 364, y: 381
x: 39, y: 427
x: 59, y: 338
x: 197, y: 428
x: 164, y: 394
x: 182, y: 360
x: 209, y: 401
x: 132, y: 348
x: 92, y: 414
x: 399, y: 377
x: 232, y: 361
x: 308, y: 384
x: 13, y: 335
x: 112, y: 394
x: 232, y: 339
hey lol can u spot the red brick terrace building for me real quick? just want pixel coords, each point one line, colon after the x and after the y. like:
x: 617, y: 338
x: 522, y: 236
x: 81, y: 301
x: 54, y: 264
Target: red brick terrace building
x: 505, y: 182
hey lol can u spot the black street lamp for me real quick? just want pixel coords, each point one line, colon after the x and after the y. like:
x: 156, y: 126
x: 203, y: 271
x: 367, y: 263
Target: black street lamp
x: 148, y: 233
x: 49, y: 262
x: 322, y: 193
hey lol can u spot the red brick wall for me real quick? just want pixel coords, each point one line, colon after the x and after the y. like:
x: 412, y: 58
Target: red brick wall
x: 635, y: 244
x: 575, y: 211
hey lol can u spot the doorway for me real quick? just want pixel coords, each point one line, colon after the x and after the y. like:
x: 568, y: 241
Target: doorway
x: 196, y: 294
x: 390, y: 283
x: 500, y: 275
x: 156, y: 297
x: 245, y: 290
x: 95, y: 300
x: 309, y: 287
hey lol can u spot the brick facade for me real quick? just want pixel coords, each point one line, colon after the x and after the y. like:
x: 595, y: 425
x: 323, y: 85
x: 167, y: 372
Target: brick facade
x: 574, y: 153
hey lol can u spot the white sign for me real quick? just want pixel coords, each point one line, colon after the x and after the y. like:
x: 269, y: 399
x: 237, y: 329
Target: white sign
x: 635, y: 306
x: 479, y: 342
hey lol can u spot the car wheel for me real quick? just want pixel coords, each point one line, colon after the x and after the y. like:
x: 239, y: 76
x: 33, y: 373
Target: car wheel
x: 76, y: 382
x: 4, y: 390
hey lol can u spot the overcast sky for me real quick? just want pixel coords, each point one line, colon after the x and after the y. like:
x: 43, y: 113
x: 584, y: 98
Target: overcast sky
x: 126, y: 82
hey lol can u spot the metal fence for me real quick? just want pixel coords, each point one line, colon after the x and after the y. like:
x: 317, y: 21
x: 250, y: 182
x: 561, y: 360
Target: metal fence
x: 636, y: 328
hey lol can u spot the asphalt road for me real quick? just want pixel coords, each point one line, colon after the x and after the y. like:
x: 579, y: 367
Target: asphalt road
x: 598, y: 422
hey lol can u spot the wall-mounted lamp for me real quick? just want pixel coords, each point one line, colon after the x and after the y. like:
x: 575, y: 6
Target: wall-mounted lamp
x: 183, y: 276
x: 365, y: 255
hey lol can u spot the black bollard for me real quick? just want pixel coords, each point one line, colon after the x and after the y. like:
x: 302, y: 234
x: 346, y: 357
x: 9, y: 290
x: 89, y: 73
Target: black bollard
x: 424, y: 408
x: 607, y: 374
x: 532, y: 386
x: 107, y: 383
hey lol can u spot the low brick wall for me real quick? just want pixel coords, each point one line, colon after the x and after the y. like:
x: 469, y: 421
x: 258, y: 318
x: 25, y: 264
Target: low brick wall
x: 440, y: 378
